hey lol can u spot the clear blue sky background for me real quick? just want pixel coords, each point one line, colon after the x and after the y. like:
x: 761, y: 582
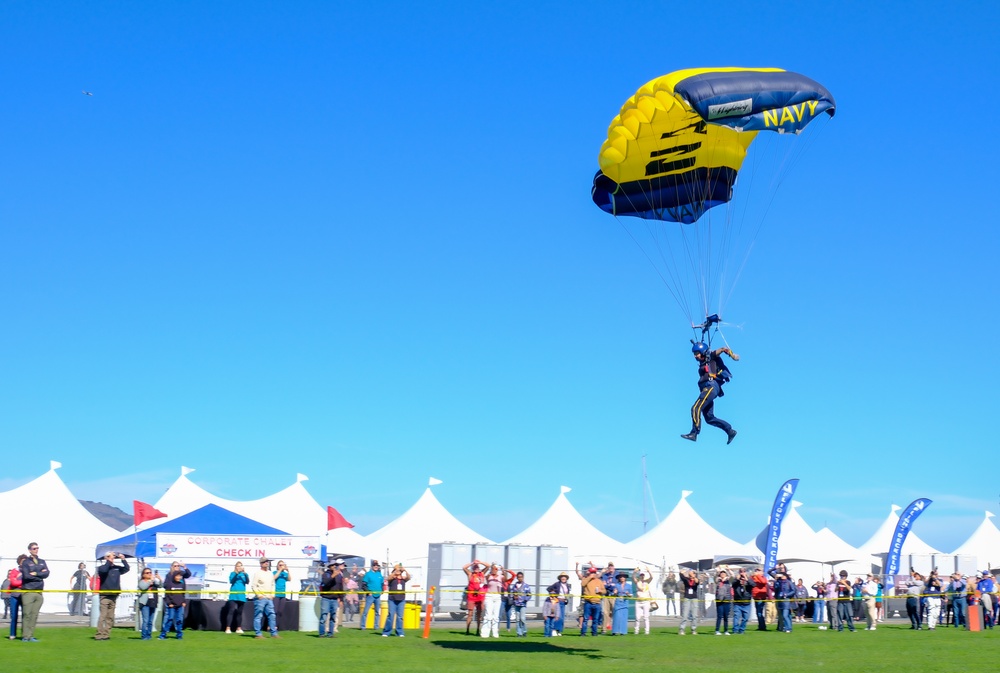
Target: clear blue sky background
x: 356, y: 241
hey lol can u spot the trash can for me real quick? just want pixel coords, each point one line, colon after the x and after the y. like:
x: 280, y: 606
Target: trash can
x: 411, y: 616
x: 308, y: 613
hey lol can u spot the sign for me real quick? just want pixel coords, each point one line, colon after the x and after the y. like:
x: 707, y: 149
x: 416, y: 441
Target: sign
x: 236, y: 547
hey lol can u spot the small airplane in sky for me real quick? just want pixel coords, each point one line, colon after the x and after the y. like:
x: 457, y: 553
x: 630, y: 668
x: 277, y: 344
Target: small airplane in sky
x: 86, y: 93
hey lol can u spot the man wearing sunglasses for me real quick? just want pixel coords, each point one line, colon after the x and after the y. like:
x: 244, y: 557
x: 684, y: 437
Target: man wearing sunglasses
x: 34, y: 570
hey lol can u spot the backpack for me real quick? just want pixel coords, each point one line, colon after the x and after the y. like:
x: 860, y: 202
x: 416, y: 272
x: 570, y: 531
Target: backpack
x: 15, y: 578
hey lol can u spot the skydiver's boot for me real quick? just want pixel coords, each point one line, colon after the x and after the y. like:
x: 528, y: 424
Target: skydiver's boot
x: 693, y: 436
x: 732, y: 436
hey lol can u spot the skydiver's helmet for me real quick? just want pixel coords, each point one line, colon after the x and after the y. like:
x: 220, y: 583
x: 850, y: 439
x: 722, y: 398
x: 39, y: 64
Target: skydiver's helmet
x: 700, y: 348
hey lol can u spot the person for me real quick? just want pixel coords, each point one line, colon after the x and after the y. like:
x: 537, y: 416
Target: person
x: 34, y: 571
x: 986, y: 587
x: 331, y: 583
x: 670, y: 593
x: 78, y: 586
x: 593, y: 590
x: 608, y: 602
x: 621, y: 591
x: 474, y: 594
x: 562, y: 588
x: 932, y: 590
x: 723, y: 602
x: 13, y: 583
x: 281, y: 579
x: 819, y: 604
x: 350, y: 601
x: 396, y: 590
x: 263, y: 604
x: 551, y: 609
x: 174, y: 600
x: 712, y: 373
x: 784, y: 592
x: 858, y: 599
x: 491, y: 605
x: 868, y: 592
x: 879, y: 606
x: 149, y: 585
x: 5, y: 593
x: 832, y: 611
x: 759, y: 593
x: 845, y: 592
x: 109, y: 573
x: 742, y: 595
x: 643, y: 598
x: 959, y: 606
x: 689, y: 602
x: 238, y: 581
x: 801, y: 601
x: 914, y: 587
x: 371, y: 584
x: 519, y: 593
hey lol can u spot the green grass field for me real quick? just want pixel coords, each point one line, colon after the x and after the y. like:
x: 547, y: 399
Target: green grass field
x: 891, y: 648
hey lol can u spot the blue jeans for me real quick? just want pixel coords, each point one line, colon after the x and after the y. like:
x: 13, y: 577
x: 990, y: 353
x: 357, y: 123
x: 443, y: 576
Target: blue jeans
x: 761, y: 608
x: 172, y: 616
x: 560, y: 621
x: 521, y: 618
x: 591, y: 611
x: 960, y: 607
x: 261, y: 607
x: 550, y: 624
x: 741, y: 615
x: 146, y: 621
x: 369, y: 601
x: 722, y: 610
x: 395, y: 614
x: 327, y: 609
x: 846, y: 613
x: 818, y: 605
x: 14, y: 604
x: 786, y: 619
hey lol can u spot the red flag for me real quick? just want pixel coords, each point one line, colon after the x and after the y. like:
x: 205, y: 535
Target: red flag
x: 335, y: 520
x: 143, y: 512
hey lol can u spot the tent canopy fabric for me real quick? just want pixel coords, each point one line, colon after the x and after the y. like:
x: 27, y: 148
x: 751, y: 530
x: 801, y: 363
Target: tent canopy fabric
x: 683, y: 535
x: 984, y: 544
x: 563, y: 526
x: 880, y: 540
x: 208, y: 520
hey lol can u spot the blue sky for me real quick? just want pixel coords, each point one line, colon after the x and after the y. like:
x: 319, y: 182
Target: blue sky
x: 357, y: 242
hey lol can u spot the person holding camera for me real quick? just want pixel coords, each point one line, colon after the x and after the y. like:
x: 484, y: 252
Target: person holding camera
x: 109, y: 573
x: 933, y: 589
x: 397, y: 601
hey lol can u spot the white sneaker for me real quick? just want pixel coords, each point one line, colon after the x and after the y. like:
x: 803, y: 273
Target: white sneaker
x: 728, y: 633
x: 821, y: 628
x: 680, y: 631
x: 227, y: 630
x: 239, y: 631
x: 718, y: 633
x: 694, y: 632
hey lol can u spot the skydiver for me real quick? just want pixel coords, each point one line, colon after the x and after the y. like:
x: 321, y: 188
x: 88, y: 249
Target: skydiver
x: 712, y: 373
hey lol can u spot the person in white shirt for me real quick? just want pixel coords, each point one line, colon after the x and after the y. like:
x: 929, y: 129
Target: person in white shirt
x: 868, y: 592
x: 263, y: 604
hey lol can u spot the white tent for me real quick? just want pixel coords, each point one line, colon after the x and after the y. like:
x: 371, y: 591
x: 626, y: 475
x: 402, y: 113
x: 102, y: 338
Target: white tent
x: 45, y: 511
x: 878, y: 544
x: 405, y: 539
x: 563, y: 526
x: 682, y: 536
x: 291, y: 509
x: 984, y: 544
x: 810, y: 554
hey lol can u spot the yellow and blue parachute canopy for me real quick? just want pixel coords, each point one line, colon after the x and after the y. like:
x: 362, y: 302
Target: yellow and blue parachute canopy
x: 676, y: 147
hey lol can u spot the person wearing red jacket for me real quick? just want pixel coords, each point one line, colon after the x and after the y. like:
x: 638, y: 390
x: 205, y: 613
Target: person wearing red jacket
x: 759, y: 595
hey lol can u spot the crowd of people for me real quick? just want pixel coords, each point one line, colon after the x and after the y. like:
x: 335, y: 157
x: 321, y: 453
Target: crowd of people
x: 496, y: 596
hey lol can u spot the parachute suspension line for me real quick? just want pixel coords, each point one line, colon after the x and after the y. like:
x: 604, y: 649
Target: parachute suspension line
x: 670, y: 289
x: 790, y: 159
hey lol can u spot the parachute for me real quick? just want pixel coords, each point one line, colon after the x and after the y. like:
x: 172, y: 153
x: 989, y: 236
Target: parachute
x: 674, y: 153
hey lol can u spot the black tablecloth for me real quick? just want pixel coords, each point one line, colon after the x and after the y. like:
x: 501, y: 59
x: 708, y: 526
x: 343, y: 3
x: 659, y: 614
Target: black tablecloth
x: 208, y: 615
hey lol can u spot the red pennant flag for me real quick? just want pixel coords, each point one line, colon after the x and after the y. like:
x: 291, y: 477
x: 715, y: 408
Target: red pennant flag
x: 142, y: 512
x: 334, y: 520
